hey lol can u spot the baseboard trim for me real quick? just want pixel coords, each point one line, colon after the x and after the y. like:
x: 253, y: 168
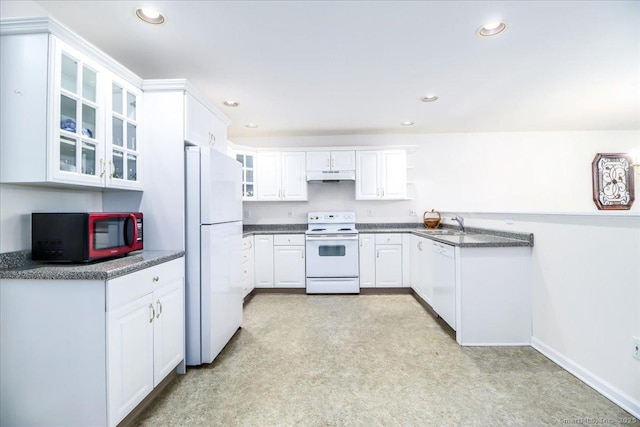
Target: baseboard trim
x: 385, y: 291
x: 279, y: 290
x: 128, y: 420
x: 626, y: 402
x: 363, y: 291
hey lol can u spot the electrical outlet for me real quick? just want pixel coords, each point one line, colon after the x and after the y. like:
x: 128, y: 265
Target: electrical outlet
x: 369, y: 212
x: 636, y: 347
x: 290, y: 214
x: 412, y: 212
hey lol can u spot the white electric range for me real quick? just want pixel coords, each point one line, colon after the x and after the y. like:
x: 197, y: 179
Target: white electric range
x: 332, y: 253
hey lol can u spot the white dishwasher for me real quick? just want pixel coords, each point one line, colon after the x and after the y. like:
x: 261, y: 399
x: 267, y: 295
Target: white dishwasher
x: 444, y: 282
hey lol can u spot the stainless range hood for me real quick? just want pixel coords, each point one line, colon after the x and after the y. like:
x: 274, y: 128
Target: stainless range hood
x: 321, y: 176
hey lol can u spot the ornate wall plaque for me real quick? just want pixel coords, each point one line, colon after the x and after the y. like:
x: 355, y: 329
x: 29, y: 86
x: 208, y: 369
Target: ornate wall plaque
x: 612, y: 181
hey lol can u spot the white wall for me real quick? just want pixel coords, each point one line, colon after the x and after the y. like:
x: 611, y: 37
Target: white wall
x: 586, y: 268
x: 547, y: 172
x: 17, y: 202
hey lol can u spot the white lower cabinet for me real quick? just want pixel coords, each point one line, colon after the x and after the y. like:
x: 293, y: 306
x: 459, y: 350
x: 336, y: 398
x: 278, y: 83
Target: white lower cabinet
x: 145, y: 333
x: 483, y: 293
x: 288, y: 261
x: 279, y: 261
x: 263, y: 244
x: 419, y: 247
x: 381, y: 260
x: 367, y: 255
x: 388, y: 260
x: 145, y: 343
x: 97, y: 347
x: 130, y: 350
x: 248, y: 276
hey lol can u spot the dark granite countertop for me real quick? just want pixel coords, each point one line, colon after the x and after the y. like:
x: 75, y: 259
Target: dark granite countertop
x: 252, y: 229
x: 18, y: 265
x: 472, y: 238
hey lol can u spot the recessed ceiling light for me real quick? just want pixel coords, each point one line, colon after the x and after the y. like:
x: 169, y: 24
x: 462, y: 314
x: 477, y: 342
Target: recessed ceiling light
x: 491, y: 29
x: 231, y: 103
x: 407, y: 123
x: 150, y: 16
x: 251, y: 125
x: 429, y: 98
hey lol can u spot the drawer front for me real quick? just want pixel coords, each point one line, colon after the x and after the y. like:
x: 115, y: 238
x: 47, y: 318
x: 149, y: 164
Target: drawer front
x: 126, y: 288
x: 389, y: 239
x: 288, y: 239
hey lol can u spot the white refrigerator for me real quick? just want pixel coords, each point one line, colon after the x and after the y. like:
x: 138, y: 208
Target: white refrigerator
x: 213, y: 252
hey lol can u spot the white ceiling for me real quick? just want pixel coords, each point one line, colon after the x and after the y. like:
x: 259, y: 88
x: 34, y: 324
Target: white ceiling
x: 360, y: 67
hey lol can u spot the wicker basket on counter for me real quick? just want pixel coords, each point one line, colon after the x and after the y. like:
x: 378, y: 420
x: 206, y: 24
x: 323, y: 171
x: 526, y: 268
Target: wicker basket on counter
x: 432, y: 219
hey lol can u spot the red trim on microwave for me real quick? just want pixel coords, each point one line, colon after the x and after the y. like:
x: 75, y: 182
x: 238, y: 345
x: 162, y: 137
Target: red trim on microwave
x: 119, y: 250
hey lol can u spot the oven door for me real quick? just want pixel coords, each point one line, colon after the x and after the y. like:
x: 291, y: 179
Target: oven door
x: 332, y: 255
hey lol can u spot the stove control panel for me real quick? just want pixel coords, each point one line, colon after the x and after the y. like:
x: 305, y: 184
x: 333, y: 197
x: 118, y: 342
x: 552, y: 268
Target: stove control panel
x: 338, y: 217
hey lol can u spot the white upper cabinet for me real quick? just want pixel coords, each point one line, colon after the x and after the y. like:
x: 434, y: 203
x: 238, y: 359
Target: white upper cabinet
x: 123, y: 149
x: 202, y: 127
x: 248, y: 161
x: 281, y: 176
x: 294, y: 182
x: 381, y: 175
x: 325, y: 161
x: 269, y: 176
x: 61, y: 121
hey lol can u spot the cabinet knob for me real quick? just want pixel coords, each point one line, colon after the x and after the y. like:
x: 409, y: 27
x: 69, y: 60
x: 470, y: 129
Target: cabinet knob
x: 156, y: 278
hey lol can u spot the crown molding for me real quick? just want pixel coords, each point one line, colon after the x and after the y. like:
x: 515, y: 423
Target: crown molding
x: 169, y: 85
x: 46, y: 25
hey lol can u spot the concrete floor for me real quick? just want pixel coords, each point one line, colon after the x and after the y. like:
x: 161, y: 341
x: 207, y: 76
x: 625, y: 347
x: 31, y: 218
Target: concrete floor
x: 369, y: 360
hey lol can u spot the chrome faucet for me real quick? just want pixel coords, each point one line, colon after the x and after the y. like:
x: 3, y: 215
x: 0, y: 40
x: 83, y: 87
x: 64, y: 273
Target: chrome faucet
x: 460, y: 221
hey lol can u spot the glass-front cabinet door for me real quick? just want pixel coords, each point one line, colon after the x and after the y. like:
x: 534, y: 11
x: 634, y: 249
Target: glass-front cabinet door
x: 78, y: 133
x: 123, y: 143
x: 247, y: 160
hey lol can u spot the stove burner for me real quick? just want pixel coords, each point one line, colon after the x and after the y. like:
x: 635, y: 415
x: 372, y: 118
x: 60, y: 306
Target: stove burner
x: 319, y: 229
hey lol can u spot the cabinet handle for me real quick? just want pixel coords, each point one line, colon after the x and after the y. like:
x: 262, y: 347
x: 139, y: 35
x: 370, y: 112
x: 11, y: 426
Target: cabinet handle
x: 361, y: 244
x: 250, y: 245
x: 382, y: 190
x: 420, y: 245
x: 111, y: 169
x: 302, y: 255
x: 328, y: 163
x: 378, y: 253
x: 159, y: 309
x: 284, y: 193
x: 333, y: 162
x: 101, y: 167
x: 155, y: 279
x: 153, y: 312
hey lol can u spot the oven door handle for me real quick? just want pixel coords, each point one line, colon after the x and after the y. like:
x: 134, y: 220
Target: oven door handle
x: 336, y: 237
